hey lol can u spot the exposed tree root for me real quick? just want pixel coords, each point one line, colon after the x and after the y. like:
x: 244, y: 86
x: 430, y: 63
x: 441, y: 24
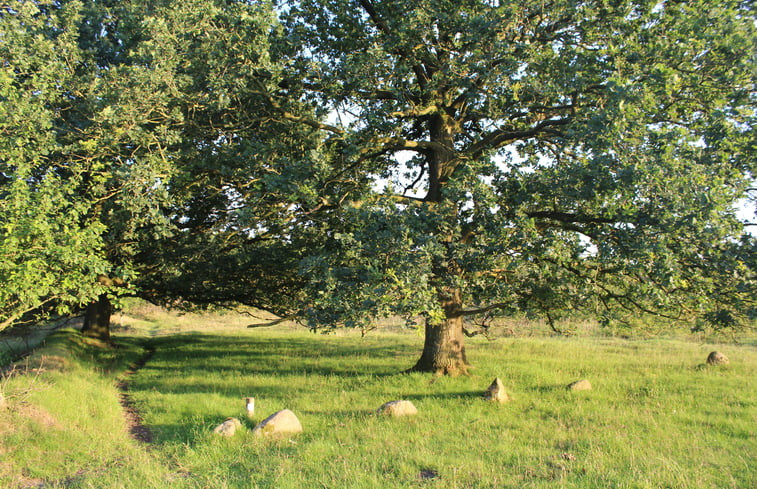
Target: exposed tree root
x: 454, y: 370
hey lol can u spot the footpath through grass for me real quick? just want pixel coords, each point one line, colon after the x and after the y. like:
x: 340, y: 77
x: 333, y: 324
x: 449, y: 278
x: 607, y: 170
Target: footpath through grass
x: 655, y: 418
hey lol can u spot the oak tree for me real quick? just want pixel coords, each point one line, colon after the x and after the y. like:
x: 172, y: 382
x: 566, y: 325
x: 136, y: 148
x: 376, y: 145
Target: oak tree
x: 536, y: 157
x: 132, y: 130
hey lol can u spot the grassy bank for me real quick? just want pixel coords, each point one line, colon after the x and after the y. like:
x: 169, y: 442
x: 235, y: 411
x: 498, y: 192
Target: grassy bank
x: 61, y: 424
x: 655, y: 418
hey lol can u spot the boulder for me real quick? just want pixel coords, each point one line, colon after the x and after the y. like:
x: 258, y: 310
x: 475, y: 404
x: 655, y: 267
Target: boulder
x: 496, y: 392
x: 283, y: 422
x: 228, y: 427
x: 397, y: 408
x: 580, y: 385
x: 717, y: 358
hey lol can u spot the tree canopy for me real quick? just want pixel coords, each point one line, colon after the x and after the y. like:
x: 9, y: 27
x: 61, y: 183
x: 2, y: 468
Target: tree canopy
x: 538, y: 157
x: 354, y: 159
x: 130, y: 127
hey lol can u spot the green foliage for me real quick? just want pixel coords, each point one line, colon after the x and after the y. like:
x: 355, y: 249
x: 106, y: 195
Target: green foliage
x: 349, y: 160
x: 51, y: 252
x: 568, y: 155
x: 139, y: 129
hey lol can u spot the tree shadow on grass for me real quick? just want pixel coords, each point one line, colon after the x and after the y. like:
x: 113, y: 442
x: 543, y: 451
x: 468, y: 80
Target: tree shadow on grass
x: 196, y: 365
x: 264, y: 357
x: 446, y: 395
x: 191, y: 431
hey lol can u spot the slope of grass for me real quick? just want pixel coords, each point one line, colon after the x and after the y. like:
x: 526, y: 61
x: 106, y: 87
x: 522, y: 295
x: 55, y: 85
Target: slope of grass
x: 19, y: 340
x: 656, y: 416
x: 62, y: 424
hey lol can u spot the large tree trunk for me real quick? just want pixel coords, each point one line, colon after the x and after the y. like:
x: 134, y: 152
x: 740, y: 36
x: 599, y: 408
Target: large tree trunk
x: 97, y: 319
x: 444, y: 347
x: 443, y: 350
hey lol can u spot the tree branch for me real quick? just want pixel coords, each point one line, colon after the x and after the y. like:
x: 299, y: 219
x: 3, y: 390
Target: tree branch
x: 419, y: 178
x: 401, y: 144
x: 289, y: 116
x: 312, y: 123
x: 404, y: 198
x: 484, y: 310
x: 500, y: 137
x: 382, y: 26
x: 568, y: 217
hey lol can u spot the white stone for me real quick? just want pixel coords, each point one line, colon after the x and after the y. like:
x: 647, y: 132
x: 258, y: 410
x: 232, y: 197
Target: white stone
x: 283, y: 422
x: 250, y: 405
x: 397, y: 408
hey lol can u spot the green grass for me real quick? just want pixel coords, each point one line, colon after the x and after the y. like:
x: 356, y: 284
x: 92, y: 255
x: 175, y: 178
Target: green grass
x: 62, y: 424
x: 656, y: 417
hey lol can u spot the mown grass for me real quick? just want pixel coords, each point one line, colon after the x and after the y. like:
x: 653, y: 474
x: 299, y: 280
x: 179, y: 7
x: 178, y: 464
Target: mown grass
x: 655, y: 418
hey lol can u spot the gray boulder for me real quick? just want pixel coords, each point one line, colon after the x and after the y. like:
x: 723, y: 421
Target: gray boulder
x: 717, y: 358
x: 496, y: 392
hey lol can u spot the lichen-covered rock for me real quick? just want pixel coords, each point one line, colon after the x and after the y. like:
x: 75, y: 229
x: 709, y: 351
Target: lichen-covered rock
x: 283, y: 422
x: 397, y: 408
x: 496, y: 392
x: 228, y: 427
x: 580, y: 385
x: 717, y: 358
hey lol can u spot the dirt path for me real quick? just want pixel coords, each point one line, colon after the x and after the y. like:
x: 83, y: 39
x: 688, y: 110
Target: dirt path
x: 134, y: 422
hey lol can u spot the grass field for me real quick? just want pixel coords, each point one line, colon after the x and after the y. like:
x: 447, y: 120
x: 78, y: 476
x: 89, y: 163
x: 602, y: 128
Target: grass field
x: 656, y: 417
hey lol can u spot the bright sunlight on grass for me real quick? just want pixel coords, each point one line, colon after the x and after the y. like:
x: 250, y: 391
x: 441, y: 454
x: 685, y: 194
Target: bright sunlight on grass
x: 656, y: 417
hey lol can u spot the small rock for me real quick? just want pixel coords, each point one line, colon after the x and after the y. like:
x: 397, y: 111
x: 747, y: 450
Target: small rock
x: 283, y: 422
x: 397, y: 408
x: 580, y: 385
x: 228, y: 427
x: 717, y: 358
x: 496, y: 392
